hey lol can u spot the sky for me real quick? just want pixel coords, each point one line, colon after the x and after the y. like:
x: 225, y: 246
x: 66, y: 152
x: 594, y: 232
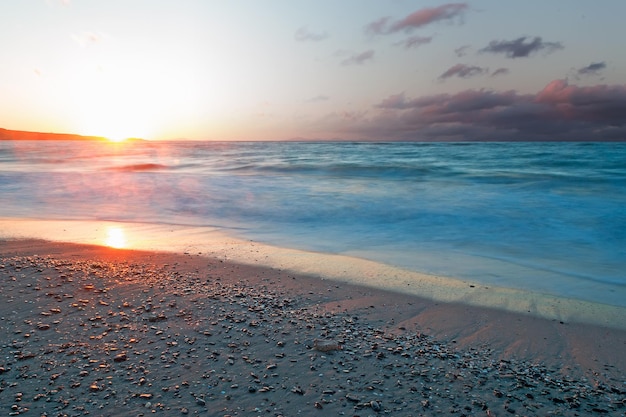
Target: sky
x: 320, y: 70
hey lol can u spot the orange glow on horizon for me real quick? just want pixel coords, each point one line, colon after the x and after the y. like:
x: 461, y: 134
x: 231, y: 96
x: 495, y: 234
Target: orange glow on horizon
x: 116, y: 139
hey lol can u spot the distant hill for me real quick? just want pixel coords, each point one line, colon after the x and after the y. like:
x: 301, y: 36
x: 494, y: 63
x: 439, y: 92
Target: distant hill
x: 20, y: 135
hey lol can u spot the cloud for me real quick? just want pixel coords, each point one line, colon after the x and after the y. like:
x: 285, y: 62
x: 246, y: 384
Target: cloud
x: 559, y: 112
x: 519, y: 48
x: 396, y: 102
x: 317, y: 99
x: 461, y: 51
x: 462, y: 71
x: 58, y: 2
x: 359, y: 59
x: 304, y: 35
x: 500, y: 71
x: 415, y: 41
x: 86, y: 39
x: 592, y: 69
x: 447, y: 12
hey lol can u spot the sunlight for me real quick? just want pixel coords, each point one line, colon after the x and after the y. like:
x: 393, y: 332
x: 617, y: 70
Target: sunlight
x: 116, y: 103
x: 113, y: 122
x: 116, y: 138
x: 116, y: 238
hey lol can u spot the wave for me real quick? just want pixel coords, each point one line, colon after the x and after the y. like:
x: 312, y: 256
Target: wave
x: 139, y: 167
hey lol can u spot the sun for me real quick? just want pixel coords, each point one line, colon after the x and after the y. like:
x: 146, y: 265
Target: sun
x: 115, y: 107
x: 115, y: 139
x: 115, y: 122
x: 115, y: 238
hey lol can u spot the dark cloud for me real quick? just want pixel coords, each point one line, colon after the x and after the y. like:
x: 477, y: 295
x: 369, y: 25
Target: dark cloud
x: 359, y: 59
x: 461, y: 51
x: 462, y: 71
x: 519, y: 48
x: 396, y: 102
x: 559, y: 112
x: 415, y: 41
x: 500, y: 71
x: 592, y: 69
x: 303, y: 35
x: 420, y: 18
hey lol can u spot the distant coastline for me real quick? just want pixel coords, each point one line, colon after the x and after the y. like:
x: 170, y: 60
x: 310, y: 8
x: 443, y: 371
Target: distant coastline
x: 6, y: 134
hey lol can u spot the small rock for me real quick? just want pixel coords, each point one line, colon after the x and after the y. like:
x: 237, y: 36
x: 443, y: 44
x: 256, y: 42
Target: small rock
x: 375, y: 405
x: 326, y: 345
x: 120, y: 357
x: 352, y: 398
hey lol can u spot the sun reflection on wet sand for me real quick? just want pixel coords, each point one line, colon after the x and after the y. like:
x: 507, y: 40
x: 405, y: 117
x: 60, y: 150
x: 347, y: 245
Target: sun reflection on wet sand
x: 216, y: 243
x: 116, y: 237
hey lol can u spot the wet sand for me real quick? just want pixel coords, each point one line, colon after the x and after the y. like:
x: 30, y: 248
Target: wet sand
x: 90, y: 330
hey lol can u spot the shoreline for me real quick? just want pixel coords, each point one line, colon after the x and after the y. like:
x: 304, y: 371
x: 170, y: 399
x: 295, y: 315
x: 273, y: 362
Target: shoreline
x: 102, y: 331
x: 215, y: 242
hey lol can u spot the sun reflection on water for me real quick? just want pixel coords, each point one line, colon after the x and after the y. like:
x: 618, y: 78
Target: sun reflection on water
x: 116, y: 237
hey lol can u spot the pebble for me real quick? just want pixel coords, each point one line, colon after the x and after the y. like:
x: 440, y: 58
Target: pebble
x: 352, y: 398
x: 121, y: 357
x: 375, y: 405
x: 197, y: 335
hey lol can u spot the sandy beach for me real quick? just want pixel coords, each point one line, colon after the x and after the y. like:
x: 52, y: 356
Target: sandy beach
x: 91, y: 330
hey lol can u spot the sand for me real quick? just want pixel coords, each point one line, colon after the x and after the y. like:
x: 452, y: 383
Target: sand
x: 90, y: 330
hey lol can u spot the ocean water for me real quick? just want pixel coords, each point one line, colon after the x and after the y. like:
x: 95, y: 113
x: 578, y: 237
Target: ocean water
x: 545, y: 217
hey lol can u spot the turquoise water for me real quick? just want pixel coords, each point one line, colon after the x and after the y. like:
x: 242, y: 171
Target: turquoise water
x: 550, y: 217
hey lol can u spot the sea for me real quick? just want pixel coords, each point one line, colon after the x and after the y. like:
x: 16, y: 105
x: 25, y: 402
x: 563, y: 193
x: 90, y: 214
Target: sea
x: 543, y: 217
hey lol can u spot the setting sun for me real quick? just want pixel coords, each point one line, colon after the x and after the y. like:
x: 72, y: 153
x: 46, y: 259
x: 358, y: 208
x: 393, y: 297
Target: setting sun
x: 116, y: 237
x: 118, y: 101
x: 116, y: 138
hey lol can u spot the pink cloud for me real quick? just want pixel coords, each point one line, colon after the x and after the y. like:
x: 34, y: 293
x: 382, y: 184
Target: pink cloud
x: 426, y: 16
x: 420, y: 18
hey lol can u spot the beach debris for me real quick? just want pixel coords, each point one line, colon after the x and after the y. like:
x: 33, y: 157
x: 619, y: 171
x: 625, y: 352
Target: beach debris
x: 326, y: 345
